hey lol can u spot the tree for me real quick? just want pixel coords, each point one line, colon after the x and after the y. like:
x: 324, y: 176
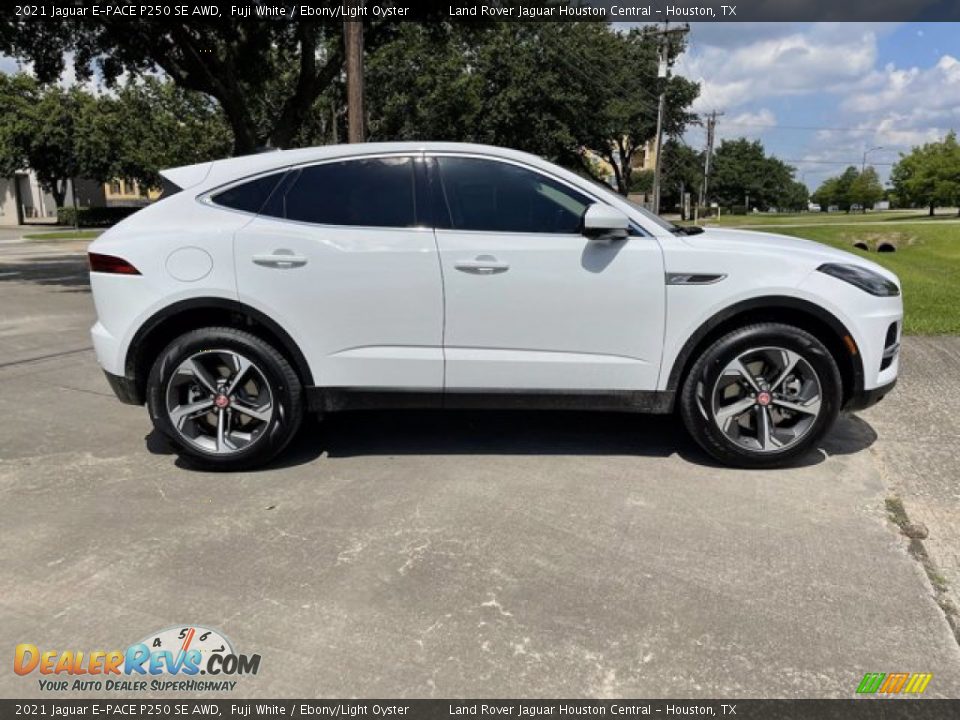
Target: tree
x: 793, y: 197
x: 59, y: 134
x: 929, y: 176
x: 620, y: 75
x: 491, y: 85
x: 66, y: 134
x: 742, y: 169
x: 17, y: 95
x: 682, y: 172
x: 266, y: 73
x: 163, y: 126
x: 836, y: 191
x: 865, y: 189
x: 552, y: 89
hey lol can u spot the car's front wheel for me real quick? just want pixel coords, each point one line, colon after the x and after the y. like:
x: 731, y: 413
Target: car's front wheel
x: 226, y: 398
x: 761, y: 395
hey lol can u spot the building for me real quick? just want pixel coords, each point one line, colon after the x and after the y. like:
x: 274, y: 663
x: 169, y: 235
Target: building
x: 126, y: 193
x: 24, y: 201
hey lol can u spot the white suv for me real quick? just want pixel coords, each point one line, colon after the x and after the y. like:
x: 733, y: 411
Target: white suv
x: 451, y: 275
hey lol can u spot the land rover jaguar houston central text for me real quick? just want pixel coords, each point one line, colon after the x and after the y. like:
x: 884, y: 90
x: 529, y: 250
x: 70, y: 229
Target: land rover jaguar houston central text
x: 261, y: 288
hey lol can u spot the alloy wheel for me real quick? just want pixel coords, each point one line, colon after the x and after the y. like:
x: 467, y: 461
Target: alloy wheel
x: 219, y: 401
x: 766, y: 399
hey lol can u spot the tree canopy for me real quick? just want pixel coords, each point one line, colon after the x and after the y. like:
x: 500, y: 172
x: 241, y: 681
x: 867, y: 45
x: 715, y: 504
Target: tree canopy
x: 850, y: 188
x: 62, y: 134
x: 265, y: 73
x: 742, y: 169
x: 929, y: 176
x: 553, y: 89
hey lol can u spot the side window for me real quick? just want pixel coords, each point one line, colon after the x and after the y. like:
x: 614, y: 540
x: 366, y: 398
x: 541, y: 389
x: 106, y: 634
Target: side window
x: 499, y: 197
x: 249, y: 196
x: 376, y: 192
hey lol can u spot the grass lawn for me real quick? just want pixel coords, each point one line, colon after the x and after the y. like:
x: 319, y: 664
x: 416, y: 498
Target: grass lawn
x: 927, y: 260
x: 65, y: 235
x: 831, y: 218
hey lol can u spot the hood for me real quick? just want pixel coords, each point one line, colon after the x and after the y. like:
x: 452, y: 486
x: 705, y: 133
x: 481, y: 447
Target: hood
x: 749, y: 241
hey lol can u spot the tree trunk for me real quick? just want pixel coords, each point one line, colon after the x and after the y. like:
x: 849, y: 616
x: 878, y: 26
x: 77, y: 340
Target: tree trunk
x: 932, y: 207
x: 244, y: 134
x: 58, y: 188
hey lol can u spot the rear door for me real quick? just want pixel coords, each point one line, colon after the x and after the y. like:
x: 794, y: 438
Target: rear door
x: 531, y: 303
x: 341, y: 257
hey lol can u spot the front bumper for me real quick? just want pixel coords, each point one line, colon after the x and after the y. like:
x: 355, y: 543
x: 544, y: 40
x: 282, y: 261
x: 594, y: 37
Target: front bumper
x: 863, y: 399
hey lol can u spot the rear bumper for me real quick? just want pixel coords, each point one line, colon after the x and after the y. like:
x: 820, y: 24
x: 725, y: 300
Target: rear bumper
x: 125, y: 389
x: 867, y: 398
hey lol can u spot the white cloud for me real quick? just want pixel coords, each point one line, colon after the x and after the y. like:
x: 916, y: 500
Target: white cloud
x: 746, y: 124
x: 805, y: 60
x: 835, y: 69
x: 936, y: 89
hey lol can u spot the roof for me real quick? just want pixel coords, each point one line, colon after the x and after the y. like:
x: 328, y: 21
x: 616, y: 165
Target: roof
x: 211, y: 174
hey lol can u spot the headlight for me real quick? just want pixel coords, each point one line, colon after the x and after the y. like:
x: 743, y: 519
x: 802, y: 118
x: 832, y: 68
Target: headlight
x: 866, y: 280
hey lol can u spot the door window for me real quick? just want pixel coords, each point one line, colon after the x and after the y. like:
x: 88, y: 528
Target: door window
x: 373, y: 192
x: 499, y: 197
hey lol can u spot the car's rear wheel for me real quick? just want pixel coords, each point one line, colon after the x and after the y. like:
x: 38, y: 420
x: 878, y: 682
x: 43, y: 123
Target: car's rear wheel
x: 761, y: 396
x: 226, y: 398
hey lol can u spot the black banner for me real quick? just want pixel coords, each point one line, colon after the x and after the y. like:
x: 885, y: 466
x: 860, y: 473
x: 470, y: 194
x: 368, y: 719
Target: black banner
x: 635, y: 11
x: 855, y: 709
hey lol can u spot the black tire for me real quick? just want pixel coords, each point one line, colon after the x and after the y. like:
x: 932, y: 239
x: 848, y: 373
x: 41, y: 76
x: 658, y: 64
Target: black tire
x: 285, y: 393
x: 697, y: 410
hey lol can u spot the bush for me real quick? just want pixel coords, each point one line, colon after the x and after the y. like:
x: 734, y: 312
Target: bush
x: 736, y: 210
x: 94, y: 216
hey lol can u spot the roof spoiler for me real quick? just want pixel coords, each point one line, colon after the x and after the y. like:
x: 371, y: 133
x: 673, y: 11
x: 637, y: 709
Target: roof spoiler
x: 185, y: 176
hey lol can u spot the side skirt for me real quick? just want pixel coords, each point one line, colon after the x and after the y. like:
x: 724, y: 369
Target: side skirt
x: 320, y: 399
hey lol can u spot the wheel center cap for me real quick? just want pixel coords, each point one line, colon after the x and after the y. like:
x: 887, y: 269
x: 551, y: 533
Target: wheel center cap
x: 221, y: 401
x: 764, y: 398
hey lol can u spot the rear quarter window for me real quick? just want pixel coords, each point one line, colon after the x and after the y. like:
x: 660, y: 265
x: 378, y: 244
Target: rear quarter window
x: 250, y: 196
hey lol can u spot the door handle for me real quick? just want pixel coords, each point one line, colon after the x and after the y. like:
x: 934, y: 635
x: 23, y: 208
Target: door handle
x: 281, y: 259
x: 482, y: 265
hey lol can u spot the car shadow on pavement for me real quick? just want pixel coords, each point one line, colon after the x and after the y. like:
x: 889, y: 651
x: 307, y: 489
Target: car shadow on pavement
x: 68, y: 271
x: 463, y: 432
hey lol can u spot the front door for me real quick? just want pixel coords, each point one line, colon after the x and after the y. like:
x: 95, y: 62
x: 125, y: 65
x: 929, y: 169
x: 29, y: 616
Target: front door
x: 532, y: 304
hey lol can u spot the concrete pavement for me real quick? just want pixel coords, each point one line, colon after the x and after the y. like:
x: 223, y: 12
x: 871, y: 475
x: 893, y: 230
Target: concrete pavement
x: 451, y: 555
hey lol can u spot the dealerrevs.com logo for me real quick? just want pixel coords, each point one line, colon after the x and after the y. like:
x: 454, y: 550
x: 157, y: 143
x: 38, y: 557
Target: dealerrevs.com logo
x: 173, y: 659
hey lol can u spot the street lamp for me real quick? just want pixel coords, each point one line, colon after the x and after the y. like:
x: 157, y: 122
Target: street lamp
x: 863, y: 165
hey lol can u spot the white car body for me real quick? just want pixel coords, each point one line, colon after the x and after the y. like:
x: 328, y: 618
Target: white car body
x: 401, y: 310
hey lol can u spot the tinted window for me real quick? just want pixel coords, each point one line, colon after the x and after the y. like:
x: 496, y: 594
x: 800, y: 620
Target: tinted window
x: 499, y: 197
x: 375, y: 193
x: 249, y: 196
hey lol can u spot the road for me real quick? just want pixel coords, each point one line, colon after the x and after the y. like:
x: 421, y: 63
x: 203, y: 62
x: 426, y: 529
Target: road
x: 452, y: 555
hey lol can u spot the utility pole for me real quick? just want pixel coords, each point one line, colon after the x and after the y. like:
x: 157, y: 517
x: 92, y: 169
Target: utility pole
x: 711, y: 127
x: 353, y: 50
x: 665, y: 37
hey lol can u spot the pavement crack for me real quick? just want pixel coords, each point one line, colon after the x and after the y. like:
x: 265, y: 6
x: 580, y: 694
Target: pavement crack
x: 49, y: 356
x: 897, y: 514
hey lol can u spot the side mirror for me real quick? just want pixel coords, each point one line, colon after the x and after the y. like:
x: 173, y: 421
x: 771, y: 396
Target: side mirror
x: 603, y: 222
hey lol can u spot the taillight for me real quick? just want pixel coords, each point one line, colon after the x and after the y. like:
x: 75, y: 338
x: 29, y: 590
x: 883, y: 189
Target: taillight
x: 110, y: 264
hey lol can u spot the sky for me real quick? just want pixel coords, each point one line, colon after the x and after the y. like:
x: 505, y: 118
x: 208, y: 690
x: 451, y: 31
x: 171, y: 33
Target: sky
x: 820, y: 94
